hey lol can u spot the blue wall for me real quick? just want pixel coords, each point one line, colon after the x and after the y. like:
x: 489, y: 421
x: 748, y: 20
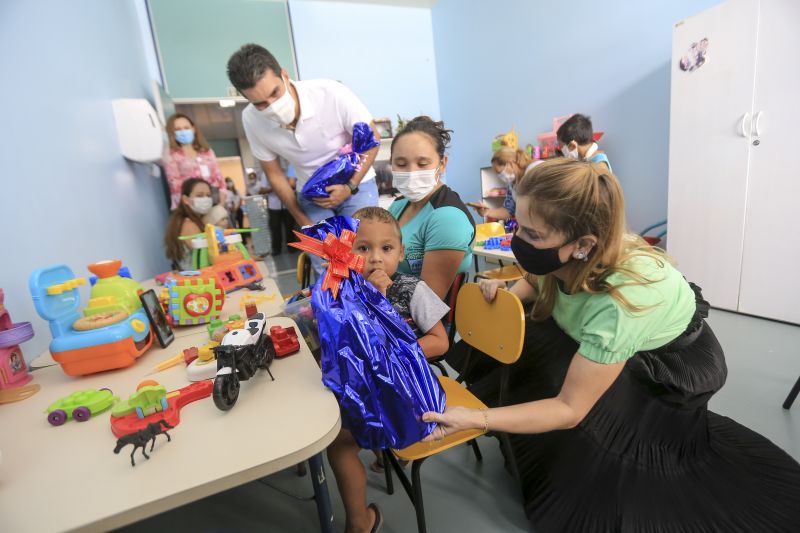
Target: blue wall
x: 520, y: 63
x: 67, y: 194
x: 384, y: 53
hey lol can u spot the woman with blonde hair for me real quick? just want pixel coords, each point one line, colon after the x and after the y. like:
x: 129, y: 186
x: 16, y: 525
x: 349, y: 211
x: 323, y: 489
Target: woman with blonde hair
x: 510, y: 165
x: 608, y: 403
x: 189, y: 156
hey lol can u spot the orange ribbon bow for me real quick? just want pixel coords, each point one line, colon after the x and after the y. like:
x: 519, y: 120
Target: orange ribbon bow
x: 338, y: 252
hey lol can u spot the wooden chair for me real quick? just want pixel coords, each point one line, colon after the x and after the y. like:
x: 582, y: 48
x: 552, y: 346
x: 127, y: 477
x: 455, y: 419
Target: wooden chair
x: 498, y: 330
x: 787, y: 404
x: 450, y: 319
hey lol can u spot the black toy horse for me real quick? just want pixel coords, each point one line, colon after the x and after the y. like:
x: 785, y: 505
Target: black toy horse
x: 140, y: 438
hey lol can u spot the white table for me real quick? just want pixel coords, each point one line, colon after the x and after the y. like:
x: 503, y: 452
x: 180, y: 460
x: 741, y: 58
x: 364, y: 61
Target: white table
x: 67, y: 478
x: 498, y: 255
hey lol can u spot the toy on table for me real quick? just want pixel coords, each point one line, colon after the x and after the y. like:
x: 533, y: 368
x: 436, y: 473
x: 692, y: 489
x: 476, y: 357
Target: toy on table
x: 221, y: 252
x: 232, y: 322
x: 498, y: 243
x: 140, y: 438
x: 284, y: 340
x: 149, y: 398
x: 186, y: 356
x: 175, y: 400
x: 241, y: 353
x: 205, y: 365
x: 158, y: 320
x: 192, y: 298
x: 80, y: 405
x: 14, y: 374
x: 114, y: 330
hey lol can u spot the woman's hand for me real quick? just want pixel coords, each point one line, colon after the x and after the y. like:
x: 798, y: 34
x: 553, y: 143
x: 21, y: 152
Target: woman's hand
x: 453, y: 419
x: 479, y: 207
x: 489, y: 288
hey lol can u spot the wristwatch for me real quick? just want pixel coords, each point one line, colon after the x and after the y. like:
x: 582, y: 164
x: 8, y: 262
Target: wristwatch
x: 353, y: 188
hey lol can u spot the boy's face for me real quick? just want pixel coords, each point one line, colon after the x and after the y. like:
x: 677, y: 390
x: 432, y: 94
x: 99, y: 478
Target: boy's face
x: 380, y: 245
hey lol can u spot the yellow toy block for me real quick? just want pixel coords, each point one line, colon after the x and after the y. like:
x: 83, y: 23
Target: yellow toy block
x: 68, y: 285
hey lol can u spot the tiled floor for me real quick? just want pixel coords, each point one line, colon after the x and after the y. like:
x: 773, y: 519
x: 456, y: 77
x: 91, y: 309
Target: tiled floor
x: 464, y: 496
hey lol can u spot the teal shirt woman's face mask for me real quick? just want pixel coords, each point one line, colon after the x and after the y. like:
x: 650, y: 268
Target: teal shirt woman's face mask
x: 184, y: 136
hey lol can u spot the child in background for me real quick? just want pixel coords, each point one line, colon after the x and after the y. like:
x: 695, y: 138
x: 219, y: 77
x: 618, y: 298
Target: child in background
x: 187, y: 219
x: 510, y: 165
x: 575, y: 140
x: 379, y: 241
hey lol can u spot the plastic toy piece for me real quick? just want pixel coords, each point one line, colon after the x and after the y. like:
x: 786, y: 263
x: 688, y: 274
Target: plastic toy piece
x: 186, y: 356
x: 80, y: 405
x: 248, y: 299
x: 284, y: 340
x: 176, y: 400
x: 68, y: 285
x: 232, y: 322
x: 241, y: 354
x: 147, y: 399
x: 19, y: 393
x: 192, y: 298
x: 13, y: 370
x: 250, y: 309
x: 140, y: 438
x: 106, y: 346
x: 222, y: 253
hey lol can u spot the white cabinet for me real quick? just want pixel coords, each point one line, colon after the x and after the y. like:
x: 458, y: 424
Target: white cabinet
x: 733, y: 179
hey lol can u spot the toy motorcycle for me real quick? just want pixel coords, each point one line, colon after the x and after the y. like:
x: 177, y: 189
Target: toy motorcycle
x: 240, y: 354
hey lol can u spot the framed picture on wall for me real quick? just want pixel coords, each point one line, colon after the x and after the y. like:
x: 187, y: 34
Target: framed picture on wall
x: 384, y: 127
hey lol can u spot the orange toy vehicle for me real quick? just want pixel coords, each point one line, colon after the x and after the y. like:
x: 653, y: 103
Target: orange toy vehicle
x: 114, y: 330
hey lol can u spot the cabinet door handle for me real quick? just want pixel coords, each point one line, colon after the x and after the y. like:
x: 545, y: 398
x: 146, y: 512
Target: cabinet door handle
x: 757, y: 126
x: 744, y: 130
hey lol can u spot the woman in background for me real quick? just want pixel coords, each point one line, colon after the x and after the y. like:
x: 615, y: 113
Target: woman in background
x: 189, y: 157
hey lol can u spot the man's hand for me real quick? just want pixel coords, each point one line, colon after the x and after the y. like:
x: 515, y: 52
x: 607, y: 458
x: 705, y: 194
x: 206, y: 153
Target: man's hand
x: 380, y: 280
x: 338, y: 194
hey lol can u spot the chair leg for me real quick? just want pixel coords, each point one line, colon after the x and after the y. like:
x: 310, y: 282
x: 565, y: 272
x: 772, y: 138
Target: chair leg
x: 476, y: 449
x: 792, y: 395
x: 417, y: 485
x: 440, y: 366
x: 512, y: 462
x: 387, y: 471
x: 465, y: 367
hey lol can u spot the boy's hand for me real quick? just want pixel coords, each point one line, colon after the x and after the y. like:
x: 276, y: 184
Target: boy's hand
x: 380, y: 280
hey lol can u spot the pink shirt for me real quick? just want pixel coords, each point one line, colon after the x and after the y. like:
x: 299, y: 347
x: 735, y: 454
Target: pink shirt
x: 180, y: 168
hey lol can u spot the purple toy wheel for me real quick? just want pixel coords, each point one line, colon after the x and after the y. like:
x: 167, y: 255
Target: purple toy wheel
x: 57, y: 417
x: 81, y: 414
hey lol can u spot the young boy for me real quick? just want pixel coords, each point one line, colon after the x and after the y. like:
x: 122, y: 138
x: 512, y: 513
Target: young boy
x: 575, y: 138
x: 379, y: 241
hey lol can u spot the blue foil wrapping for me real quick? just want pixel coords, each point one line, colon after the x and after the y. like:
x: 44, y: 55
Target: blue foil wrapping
x: 341, y: 169
x: 371, y: 360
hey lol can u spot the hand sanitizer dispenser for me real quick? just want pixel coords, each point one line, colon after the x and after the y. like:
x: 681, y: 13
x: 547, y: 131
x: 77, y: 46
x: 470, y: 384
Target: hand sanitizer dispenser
x: 141, y: 137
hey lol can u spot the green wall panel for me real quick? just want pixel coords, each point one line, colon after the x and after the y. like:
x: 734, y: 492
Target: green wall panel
x: 196, y: 38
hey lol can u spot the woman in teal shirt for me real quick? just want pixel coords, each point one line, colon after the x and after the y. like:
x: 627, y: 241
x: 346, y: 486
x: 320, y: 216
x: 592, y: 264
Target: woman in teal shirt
x: 608, y: 403
x: 436, y: 226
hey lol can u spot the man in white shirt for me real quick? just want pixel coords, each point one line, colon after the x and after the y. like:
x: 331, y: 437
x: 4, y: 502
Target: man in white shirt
x: 306, y: 123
